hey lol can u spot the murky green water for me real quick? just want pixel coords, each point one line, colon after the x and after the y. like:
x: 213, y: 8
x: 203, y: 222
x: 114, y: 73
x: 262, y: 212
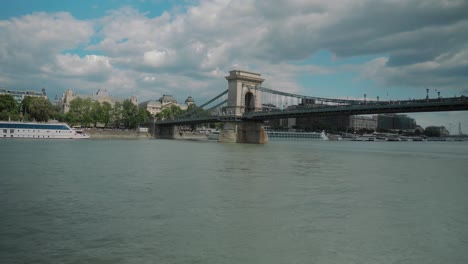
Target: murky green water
x: 162, y: 201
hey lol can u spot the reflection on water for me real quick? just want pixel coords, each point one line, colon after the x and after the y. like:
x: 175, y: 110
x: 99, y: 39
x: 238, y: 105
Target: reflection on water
x: 162, y: 201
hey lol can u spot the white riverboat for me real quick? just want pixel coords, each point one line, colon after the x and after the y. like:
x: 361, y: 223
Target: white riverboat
x: 213, y: 135
x: 292, y: 135
x: 39, y: 130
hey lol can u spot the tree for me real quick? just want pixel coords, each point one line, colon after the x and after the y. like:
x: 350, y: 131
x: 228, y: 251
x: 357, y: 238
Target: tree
x: 129, y: 114
x: 40, y: 109
x: 143, y: 116
x: 25, y: 105
x: 8, y: 107
x: 57, y: 113
x: 80, y: 112
x: 106, y: 109
x: 116, y: 115
x: 96, y: 113
x: 170, y: 112
x: 8, y: 103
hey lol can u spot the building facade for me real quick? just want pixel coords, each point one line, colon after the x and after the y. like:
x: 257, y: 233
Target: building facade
x: 394, y: 121
x: 100, y: 96
x: 363, y: 122
x: 436, y: 131
x: 315, y: 123
x: 166, y: 101
x: 19, y: 95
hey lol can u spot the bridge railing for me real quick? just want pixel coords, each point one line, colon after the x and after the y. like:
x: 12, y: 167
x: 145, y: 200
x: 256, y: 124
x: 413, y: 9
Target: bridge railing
x: 458, y: 103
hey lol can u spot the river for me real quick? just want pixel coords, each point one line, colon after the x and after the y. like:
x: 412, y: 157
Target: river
x: 170, y: 201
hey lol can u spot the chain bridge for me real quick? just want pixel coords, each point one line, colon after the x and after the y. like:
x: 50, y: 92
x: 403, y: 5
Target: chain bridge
x: 246, y: 105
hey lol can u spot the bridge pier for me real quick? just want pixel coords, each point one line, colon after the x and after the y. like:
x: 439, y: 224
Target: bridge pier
x: 165, y: 132
x: 243, y: 132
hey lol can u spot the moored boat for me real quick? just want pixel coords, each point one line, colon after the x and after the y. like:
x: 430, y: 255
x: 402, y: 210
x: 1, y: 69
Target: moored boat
x: 292, y: 135
x: 213, y: 135
x: 10, y: 129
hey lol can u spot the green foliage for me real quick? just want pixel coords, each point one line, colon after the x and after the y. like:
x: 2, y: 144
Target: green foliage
x: 39, y: 108
x: 116, y: 115
x: 169, y: 113
x: 80, y: 112
x: 8, y: 107
x: 143, y: 116
x: 106, y: 110
x: 196, y: 111
x: 25, y: 105
x: 8, y: 103
x: 175, y: 111
x: 96, y: 113
x: 129, y: 114
x: 84, y: 112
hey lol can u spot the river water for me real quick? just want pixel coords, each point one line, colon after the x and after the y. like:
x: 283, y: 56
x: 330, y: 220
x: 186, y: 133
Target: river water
x: 169, y: 201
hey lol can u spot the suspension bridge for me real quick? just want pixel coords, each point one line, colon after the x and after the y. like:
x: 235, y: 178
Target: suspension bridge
x: 246, y: 104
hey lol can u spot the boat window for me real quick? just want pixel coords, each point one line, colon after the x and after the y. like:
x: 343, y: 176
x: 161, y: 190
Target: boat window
x: 36, y: 126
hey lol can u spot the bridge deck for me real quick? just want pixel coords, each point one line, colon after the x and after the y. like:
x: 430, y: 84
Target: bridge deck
x: 433, y: 105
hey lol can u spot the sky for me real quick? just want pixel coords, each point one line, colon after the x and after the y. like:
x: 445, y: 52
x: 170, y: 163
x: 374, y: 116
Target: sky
x: 393, y: 49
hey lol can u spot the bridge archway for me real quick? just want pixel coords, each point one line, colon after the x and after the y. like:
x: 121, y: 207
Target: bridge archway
x: 242, y: 93
x: 249, y: 102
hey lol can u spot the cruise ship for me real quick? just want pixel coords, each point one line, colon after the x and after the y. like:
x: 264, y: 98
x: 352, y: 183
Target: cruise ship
x: 39, y: 130
x: 292, y: 135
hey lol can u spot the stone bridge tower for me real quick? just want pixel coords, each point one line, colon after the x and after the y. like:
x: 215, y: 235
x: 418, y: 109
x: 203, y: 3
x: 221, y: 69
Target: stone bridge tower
x: 242, y: 95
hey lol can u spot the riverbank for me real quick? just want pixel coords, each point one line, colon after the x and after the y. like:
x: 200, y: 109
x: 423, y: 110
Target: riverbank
x: 132, y: 134
x: 115, y: 134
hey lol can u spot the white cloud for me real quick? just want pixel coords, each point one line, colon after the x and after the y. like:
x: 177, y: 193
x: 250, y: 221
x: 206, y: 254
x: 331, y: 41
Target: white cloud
x: 74, y: 66
x: 155, y: 58
x: 189, y: 50
x: 32, y: 40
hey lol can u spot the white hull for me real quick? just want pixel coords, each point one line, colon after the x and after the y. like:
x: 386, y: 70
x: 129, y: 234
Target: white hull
x: 213, y: 135
x: 279, y: 135
x: 39, y: 131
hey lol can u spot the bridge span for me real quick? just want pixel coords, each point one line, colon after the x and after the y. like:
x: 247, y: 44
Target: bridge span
x: 248, y: 105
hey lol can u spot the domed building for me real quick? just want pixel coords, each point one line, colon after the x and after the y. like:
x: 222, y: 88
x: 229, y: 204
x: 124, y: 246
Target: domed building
x: 189, y: 100
x: 166, y: 101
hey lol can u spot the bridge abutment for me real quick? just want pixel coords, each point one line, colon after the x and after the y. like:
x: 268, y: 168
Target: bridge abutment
x: 165, y: 132
x: 243, y: 132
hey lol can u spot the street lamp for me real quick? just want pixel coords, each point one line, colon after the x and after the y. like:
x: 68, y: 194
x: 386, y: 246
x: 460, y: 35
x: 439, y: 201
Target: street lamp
x: 427, y: 93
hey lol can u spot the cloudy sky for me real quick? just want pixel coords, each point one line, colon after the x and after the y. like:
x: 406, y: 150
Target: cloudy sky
x: 393, y: 49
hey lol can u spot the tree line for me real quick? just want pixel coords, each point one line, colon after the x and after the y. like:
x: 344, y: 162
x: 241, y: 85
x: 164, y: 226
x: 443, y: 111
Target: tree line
x: 30, y: 108
x: 86, y: 112
x: 82, y: 112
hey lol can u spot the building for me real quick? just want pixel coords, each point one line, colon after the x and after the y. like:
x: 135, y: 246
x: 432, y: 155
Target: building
x: 19, y: 95
x: 315, y: 123
x: 436, y: 131
x: 394, y: 121
x: 166, y: 101
x: 100, y: 96
x: 363, y: 122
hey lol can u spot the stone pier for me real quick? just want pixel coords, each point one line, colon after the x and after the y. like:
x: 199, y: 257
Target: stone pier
x: 243, y: 132
x: 165, y: 132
